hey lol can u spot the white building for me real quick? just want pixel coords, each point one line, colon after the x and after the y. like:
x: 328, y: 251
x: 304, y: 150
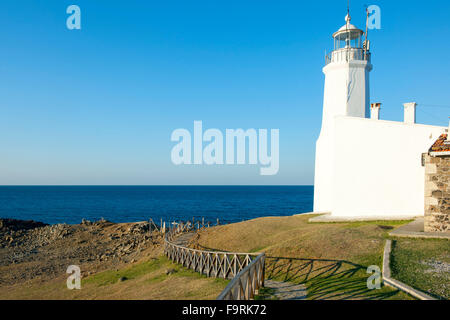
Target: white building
x: 365, y: 167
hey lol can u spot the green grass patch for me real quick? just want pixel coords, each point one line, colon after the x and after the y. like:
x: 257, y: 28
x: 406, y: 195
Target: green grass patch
x: 393, y: 223
x: 423, y: 264
x: 132, y: 272
x: 158, y: 266
x: 181, y: 271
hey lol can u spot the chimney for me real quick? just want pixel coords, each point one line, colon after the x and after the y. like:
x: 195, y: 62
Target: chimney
x: 448, y: 133
x: 410, y: 112
x: 375, y: 111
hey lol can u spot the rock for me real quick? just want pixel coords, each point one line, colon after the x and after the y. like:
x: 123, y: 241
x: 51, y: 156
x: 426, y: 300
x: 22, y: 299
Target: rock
x: 97, y: 243
x: 170, y: 271
x: 15, y: 225
x: 385, y: 227
x: 139, y: 228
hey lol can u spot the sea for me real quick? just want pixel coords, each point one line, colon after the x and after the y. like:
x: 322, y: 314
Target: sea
x: 71, y: 204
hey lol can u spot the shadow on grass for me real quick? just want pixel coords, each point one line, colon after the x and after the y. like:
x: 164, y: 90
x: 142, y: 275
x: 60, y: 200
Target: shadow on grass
x: 326, y: 279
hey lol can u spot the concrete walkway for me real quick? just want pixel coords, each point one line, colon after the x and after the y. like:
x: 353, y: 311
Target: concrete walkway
x: 286, y: 290
x: 328, y: 217
x: 415, y: 230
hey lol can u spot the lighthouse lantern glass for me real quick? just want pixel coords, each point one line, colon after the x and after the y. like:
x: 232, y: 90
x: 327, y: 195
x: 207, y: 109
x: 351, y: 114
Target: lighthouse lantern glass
x: 347, y: 40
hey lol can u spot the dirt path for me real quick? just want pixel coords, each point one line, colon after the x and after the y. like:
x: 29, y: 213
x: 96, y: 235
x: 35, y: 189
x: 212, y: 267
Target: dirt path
x: 184, y: 239
x: 286, y: 290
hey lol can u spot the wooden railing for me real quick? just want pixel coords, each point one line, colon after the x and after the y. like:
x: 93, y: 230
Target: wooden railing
x: 247, y: 282
x: 245, y: 269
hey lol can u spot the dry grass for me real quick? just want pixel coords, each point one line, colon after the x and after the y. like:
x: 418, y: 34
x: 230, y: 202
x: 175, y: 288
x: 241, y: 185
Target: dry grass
x: 331, y: 259
x: 145, y: 280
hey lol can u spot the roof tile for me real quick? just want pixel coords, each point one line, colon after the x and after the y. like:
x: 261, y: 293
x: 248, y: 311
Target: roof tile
x: 440, y: 145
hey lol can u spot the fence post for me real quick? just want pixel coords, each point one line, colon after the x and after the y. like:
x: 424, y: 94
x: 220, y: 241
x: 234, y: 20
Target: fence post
x: 263, y: 264
x: 224, y: 268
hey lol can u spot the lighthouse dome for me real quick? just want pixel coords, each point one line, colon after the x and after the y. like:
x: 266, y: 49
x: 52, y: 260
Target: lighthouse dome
x: 348, y: 31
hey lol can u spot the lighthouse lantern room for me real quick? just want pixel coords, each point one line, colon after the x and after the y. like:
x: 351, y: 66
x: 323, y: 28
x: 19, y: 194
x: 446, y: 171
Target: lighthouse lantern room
x: 348, y: 44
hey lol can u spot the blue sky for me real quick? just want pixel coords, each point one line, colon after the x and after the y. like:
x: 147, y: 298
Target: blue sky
x: 98, y: 105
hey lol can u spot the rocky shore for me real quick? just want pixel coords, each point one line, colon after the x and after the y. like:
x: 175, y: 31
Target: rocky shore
x: 32, y: 250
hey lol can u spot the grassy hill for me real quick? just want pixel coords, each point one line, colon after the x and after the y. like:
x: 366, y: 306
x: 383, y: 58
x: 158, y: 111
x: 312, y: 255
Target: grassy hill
x: 331, y: 259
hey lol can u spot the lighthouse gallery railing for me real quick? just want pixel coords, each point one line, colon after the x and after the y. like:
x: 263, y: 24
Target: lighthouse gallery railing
x: 346, y: 55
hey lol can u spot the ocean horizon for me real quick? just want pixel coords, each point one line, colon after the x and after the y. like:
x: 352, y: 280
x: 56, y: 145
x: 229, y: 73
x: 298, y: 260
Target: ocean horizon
x: 126, y: 203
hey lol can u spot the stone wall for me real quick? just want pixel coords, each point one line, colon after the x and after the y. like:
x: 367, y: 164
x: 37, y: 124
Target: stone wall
x: 437, y: 193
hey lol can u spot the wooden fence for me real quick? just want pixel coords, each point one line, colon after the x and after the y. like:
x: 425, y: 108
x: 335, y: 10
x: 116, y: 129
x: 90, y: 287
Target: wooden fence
x: 178, y: 227
x: 245, y: 269
x: 247, y: 282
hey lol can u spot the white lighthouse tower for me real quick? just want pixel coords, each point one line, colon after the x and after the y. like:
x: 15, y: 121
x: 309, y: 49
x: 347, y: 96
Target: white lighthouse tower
x: 366, y: 167
x: 346, y: 93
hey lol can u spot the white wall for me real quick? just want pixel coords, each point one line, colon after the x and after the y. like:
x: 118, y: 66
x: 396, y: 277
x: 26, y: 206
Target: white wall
x: 324, y: 166
x: 346, y: 92
x: 377, y: 167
